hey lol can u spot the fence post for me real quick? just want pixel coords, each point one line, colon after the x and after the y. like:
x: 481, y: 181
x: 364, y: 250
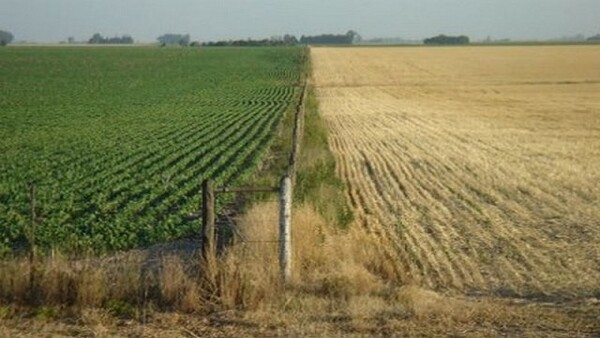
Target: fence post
x: 208, y: 220
x: 285, y: 235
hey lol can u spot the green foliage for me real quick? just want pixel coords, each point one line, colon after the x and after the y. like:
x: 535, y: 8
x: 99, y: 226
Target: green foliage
x: 118, y: 140
x: 46, y: 312
x: 317, y: 182
x: 121, y: 309
x: 5, y: 312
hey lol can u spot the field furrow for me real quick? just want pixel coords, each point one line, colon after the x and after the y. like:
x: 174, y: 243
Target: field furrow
x: 474, y: 167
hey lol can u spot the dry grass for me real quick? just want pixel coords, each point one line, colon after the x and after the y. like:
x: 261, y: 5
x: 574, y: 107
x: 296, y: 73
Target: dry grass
x: 341, y: 288
x: 475, y: 168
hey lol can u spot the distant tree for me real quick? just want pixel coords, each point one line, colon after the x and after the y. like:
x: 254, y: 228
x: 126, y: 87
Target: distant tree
x: 447, y: 40
x: 290, y: 39
x: 125, y: 39
x: 276, y: 40
x: 594, y: 38
x: 99, y: 39
x: 174, y: 39
x: 185, y: 40
x: 331, y: 39
x: 96, y: 39
x: 5, y: 38
x: 353, y: 36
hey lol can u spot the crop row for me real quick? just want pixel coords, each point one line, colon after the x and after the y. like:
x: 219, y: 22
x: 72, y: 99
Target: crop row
x: 118, y: 141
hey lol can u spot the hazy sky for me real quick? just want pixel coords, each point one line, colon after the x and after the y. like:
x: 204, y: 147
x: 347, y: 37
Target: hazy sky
x: 55, y: 20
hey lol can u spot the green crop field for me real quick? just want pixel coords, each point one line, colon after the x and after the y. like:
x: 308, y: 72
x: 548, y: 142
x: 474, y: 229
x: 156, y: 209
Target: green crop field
x: 117, y: 141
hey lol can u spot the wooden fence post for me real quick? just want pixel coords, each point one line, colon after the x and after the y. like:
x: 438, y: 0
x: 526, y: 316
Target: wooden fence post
x: 285, y: 223
x: 208, y: 220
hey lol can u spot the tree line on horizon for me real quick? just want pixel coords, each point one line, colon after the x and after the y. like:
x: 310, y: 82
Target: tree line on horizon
x: 594, y: 38
x: 351, y: 37
x: 289, y: 40
x: 447, y: 40
x: 99, y: 39
x: 332, y: 39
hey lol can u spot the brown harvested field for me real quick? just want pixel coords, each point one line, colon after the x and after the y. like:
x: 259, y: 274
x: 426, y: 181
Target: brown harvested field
x: 477, y: 168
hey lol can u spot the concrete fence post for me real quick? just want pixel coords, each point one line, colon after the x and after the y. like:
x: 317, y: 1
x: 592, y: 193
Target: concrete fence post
x: 285, y: 227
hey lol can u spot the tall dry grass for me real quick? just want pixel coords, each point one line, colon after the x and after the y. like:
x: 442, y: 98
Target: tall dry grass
x: 327, y: 262
x: 341, y: 286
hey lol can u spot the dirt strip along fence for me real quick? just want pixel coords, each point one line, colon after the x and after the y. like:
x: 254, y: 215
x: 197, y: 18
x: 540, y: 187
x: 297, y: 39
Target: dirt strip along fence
x: 285, y: 190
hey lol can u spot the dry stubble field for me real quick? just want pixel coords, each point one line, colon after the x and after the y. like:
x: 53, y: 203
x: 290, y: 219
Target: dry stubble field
x: 476, y: 167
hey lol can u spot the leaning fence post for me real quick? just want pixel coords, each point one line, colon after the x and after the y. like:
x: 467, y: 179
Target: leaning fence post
x: 208, y: 220
x: 285, y: 234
